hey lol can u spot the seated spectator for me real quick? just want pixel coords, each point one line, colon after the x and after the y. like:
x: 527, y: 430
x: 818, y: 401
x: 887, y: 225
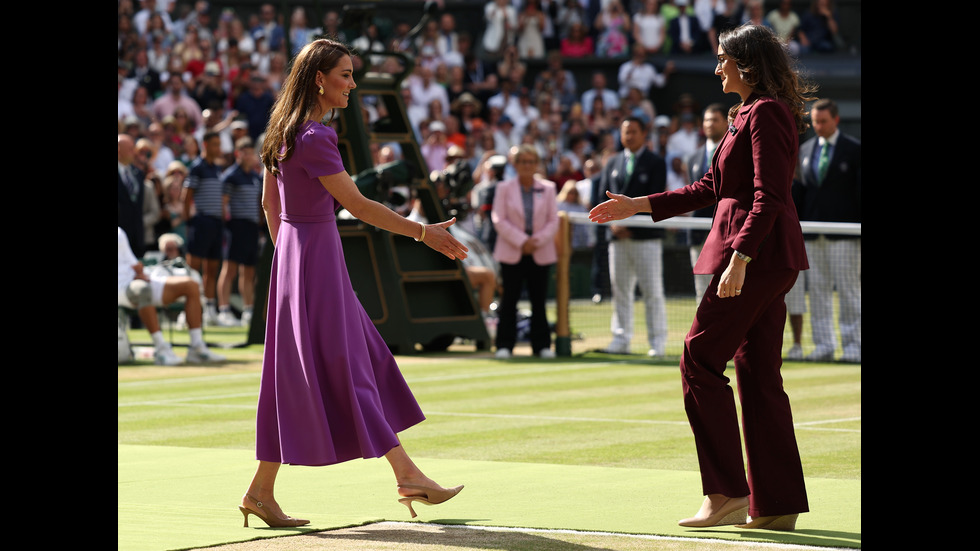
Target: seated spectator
x: 818, y: 28
x: 685, y: 32
x: 145, y: 293
x: 578, y: 43
x: 615, y: 28
x: 583, y: 236
x: 786, y: 23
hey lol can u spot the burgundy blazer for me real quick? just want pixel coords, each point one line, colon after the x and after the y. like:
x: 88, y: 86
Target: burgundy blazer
x: 750, y: 179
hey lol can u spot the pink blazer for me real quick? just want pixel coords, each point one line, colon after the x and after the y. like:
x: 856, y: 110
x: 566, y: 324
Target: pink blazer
x: 508, y: 221
x: 749, y: 179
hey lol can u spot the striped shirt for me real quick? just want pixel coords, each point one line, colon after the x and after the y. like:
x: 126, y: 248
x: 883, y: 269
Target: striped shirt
x: 205, y: 179
x: 244, y: 191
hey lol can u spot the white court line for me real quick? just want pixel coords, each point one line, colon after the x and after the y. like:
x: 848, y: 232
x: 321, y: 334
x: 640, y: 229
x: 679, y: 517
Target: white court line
x: 639, y: 421
x: 195, y: 402
x: 738, y: 544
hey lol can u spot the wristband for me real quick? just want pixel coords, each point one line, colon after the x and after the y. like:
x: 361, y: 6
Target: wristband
x: 422, y: 237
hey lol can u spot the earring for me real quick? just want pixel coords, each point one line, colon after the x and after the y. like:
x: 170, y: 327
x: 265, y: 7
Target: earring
x: 321, y: 90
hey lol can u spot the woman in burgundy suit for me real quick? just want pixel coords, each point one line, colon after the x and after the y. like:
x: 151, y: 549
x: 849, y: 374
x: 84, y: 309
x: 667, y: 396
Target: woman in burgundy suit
x: 754, y: 252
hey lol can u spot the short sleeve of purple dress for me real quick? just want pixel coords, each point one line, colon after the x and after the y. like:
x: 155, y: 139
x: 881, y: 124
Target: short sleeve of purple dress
x: 330, y: 389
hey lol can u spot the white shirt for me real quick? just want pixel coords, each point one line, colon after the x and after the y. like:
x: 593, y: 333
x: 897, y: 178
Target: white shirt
x: 642, y: 76
x: 423, y: 94
x: 683, y: 142
x: 126, y: 260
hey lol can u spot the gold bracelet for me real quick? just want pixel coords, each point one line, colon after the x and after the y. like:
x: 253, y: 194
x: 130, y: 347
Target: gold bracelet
x: 422, y: 238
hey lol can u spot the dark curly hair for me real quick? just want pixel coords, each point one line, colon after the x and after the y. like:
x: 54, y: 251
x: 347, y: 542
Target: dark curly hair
x: 764, y: 64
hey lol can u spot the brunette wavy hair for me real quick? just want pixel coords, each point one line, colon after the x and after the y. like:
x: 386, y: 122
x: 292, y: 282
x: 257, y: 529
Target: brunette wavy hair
x: 764, y: 64
x: 298, y: 99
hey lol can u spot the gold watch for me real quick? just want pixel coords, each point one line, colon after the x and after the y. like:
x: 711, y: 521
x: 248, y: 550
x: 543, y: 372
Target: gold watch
x: 743, y: 257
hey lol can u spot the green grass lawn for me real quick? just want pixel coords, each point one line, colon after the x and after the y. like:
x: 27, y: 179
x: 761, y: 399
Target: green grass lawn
x: 588, y: 409
x: 583, y: 411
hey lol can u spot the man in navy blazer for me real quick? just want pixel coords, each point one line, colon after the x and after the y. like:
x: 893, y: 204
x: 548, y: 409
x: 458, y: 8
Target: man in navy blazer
x: 636, y: 254
x: 685, y: 32
x: 714, y: 124
x: 835, y: 260
x: 129, y: 206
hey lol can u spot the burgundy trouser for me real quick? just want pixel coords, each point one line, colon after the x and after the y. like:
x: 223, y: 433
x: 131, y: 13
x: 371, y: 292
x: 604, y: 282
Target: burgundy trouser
x: 749, y: 330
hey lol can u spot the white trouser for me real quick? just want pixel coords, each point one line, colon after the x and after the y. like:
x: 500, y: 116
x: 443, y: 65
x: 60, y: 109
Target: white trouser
x: 796, y: 297
x: 701, y: 281
x: 835, y: 263
x: 632, y: 263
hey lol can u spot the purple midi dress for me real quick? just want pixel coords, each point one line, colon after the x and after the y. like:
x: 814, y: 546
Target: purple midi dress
x: 330, y: 389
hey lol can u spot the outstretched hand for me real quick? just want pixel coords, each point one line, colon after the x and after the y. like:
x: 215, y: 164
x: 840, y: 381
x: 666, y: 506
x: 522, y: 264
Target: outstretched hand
x: 618, y: 207
x: 438, y: 238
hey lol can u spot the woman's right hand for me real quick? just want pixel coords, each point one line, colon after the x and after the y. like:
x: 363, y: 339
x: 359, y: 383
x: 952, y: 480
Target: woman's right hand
x: 438, y: 238
x: 618, y: 207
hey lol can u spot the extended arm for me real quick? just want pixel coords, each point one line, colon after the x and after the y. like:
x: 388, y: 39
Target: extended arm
x: 436, y: 236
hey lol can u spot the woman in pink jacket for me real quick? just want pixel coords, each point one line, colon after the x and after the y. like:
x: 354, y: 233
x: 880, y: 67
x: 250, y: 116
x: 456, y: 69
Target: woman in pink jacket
x: 525, y: 217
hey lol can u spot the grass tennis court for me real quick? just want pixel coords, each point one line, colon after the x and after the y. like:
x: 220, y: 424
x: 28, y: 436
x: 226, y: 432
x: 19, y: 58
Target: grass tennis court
x: 584, y: 452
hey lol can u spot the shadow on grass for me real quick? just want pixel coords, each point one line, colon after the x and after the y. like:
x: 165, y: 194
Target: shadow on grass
x: 820, y: 538
x: 429, y: 535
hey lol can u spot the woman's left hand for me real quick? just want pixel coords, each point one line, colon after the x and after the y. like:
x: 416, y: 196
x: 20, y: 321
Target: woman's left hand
x: 438, y: 238
x: 732, y: 279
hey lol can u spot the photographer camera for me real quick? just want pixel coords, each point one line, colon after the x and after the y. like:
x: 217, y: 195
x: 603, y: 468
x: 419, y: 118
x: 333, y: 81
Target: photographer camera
x: 454, y: 183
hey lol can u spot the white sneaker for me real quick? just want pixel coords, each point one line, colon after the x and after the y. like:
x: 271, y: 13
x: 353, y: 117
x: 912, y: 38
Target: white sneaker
x: 546, y: 353
x: 821, y: 354
x: 851, y: 355
x: 227, y: 319
x: 795, y: 353
x: 200, y: 355
x: 165, y: 356
x: 246, y: 318
x: 502, y: 353
x: 653, y: 353
x: 617, y: 349
x: 210, y: 318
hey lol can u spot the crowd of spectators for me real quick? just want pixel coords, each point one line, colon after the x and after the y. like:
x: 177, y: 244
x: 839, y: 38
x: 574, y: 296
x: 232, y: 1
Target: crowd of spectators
x: 189, y: 68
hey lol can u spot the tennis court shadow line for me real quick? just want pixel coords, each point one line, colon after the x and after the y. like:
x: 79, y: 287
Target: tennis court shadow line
x: 806, y: 536
x: 456, y: 536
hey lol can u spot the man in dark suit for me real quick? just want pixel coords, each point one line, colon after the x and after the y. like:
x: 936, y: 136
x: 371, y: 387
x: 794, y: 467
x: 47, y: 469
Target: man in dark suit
x: 829, y: 190
x: 130, y: 195
x: 714, y: 124
x: 145, y: 75
x: 685, y: 32
x: 636, y: 254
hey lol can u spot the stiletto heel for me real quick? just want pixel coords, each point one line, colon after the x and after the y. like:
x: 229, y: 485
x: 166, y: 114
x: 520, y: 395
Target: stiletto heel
x: 244, y: 512
x: 433, y: 496
x: 266, y: 516
x: 775, y: 522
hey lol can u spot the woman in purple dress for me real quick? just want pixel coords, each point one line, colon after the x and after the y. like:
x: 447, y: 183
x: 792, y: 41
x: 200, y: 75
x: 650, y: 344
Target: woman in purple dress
x: 330, y: 389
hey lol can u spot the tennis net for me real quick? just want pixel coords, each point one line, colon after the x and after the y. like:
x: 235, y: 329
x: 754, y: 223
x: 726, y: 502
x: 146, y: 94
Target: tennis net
x: 583, y: 305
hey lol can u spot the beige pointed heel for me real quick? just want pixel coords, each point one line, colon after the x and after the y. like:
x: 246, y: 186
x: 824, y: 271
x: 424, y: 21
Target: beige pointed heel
x: 776, y: 522
x: 433, y: 496
x: 266, y: 516
x: 733, y: 511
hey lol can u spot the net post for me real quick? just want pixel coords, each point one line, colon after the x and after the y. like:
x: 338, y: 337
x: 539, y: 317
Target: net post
x: 563, y: 340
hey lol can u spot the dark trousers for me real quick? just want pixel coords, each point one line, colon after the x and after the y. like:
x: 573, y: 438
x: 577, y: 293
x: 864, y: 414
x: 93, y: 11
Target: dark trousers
x: 749, y: 329
x: 515, y: 277
x: 600, y: 264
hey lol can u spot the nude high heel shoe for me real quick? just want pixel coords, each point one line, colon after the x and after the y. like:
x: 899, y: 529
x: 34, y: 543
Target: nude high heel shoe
x: 774, y: 522
x: 433, y: 496
x: 732, y: 511
x: 266, y: 516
